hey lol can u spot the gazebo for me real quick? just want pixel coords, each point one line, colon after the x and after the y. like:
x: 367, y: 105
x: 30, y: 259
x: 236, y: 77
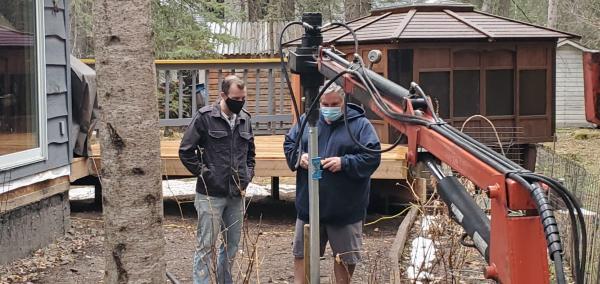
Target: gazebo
x: 470, y: 62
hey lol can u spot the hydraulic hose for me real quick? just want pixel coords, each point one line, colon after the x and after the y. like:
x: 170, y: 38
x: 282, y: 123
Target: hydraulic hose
x: 284, y: 69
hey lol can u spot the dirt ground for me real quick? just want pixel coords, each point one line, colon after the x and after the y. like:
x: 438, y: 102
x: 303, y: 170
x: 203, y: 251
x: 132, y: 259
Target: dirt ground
x: 78, y: 257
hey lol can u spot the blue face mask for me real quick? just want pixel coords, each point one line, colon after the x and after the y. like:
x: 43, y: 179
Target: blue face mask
x: 331, y: 113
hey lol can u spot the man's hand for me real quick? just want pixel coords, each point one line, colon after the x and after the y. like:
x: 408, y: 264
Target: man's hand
x: 304, y: 161
x: 332, y: 164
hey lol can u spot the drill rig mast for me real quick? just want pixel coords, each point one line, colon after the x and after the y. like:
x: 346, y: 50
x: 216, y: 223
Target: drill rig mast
x: 515, y: 246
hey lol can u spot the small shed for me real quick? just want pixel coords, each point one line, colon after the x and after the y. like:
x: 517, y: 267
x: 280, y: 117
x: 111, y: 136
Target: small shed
x: 251, y: 39
x: 470, y: 62
x: 570, y: 106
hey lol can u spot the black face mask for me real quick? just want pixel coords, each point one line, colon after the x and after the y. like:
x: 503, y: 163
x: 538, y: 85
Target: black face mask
x: 235, y: 106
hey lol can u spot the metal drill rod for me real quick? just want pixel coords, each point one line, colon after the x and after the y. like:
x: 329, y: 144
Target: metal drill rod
x: 313, y: 187
x: 302, y: 62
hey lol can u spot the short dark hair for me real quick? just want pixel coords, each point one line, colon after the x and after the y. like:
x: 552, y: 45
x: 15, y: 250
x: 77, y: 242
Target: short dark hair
x: 232, y: 80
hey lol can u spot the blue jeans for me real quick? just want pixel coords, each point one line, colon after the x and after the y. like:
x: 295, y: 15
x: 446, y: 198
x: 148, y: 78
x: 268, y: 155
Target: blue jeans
x: 216, y: 215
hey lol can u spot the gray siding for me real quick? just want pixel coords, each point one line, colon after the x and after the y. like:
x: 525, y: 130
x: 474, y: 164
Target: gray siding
x: 58, y: 93
x: 570, y: 108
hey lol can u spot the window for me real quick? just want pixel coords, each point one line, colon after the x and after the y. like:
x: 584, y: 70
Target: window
x: 532, y: 92
x: 22, y: 83
x: 437, y: 86
x: 499, y: 92
x: 466, y: 93
x: 400, y: 66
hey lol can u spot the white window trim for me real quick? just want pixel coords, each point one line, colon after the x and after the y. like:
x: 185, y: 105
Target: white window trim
x: 40, y: 153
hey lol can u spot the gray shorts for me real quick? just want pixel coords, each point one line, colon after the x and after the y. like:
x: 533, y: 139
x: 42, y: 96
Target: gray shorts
x: 345, y: 240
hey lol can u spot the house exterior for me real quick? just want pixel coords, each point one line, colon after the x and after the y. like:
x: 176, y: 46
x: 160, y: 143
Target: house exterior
x: 570, y: 106
x: 35, y: 116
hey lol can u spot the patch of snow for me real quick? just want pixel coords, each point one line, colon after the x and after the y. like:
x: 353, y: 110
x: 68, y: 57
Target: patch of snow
x: 81, y: 192
x: 182, y: 187
x: 257, y: 190
x: 583, y: 211
x: 588, y: 212
x: 175, y: 187
x: 422, y: 253
x: 426, y: 222
x: 422, y: 256
x: 284, y: 188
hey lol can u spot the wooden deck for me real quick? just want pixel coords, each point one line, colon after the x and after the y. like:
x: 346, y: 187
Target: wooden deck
x: 270, y: 161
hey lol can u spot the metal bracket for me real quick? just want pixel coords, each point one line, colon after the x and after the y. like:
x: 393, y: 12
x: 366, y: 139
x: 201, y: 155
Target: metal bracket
x: 316, y: 162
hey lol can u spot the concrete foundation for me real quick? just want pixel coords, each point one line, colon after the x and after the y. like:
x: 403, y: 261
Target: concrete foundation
x: 30, y: 227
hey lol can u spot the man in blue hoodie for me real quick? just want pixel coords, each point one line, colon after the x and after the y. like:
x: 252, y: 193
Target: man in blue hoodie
x: 344, y: 186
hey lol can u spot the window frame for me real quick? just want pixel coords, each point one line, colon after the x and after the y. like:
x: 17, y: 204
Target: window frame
x: 34, y: 155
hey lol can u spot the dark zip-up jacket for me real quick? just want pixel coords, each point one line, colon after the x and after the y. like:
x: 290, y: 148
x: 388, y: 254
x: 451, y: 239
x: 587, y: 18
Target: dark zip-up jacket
x: 344, y: 195
x: 223, y: 159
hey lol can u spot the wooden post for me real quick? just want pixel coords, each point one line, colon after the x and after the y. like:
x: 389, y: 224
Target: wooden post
x: 275, y: 188
x: 180, y: 95
x: 167, y: 92
x: 193, y: 92
x: 295, y: 80
x: 421, y: 189
x: 97, y: 193
x: 306, y: 259
x: 271, y: 95
x: 400, y: 242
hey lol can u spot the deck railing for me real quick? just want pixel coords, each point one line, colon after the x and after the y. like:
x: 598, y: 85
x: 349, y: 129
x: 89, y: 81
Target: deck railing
x: 186, y: 85
x: 268, y: 98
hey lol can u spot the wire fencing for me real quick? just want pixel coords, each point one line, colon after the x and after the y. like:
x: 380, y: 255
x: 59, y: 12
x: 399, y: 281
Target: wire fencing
x: 586, y: 187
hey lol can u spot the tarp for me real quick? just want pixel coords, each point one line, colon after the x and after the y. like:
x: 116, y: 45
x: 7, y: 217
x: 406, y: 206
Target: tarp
x: 85, y: 105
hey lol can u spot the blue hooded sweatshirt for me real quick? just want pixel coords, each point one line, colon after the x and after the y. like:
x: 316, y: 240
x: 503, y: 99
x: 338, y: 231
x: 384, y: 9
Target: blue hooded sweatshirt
x: 343, y: 196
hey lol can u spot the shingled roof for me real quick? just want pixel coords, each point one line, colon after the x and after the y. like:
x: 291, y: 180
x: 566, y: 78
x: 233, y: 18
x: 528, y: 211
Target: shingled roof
x: 438, y: 22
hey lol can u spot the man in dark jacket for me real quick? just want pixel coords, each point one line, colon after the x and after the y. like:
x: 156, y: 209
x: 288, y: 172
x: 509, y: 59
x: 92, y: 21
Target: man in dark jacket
x: 218, y: 148
x: 344, y: 186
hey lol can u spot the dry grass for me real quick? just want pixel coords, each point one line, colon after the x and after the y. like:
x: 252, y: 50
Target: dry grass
x: 438, y: 236
x: 580, y: 145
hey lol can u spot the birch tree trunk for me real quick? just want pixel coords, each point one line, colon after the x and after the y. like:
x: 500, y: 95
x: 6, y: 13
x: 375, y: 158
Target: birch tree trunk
x: 129, y: 139
x: 552, y: 13
x: 488, y: 6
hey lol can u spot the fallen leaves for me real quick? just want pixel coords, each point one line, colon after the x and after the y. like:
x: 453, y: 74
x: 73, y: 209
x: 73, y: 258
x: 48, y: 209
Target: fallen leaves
x: 62, y: 252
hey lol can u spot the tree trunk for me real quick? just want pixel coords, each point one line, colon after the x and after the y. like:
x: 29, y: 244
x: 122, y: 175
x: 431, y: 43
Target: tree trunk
x: 552, y: 13
x: 253, y: 10
x: 503, y: 8
x: 356, y: 8
x: 130, y: 143
x: 234, y: 10
x: 288, y: 9
x: 488, y: 6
